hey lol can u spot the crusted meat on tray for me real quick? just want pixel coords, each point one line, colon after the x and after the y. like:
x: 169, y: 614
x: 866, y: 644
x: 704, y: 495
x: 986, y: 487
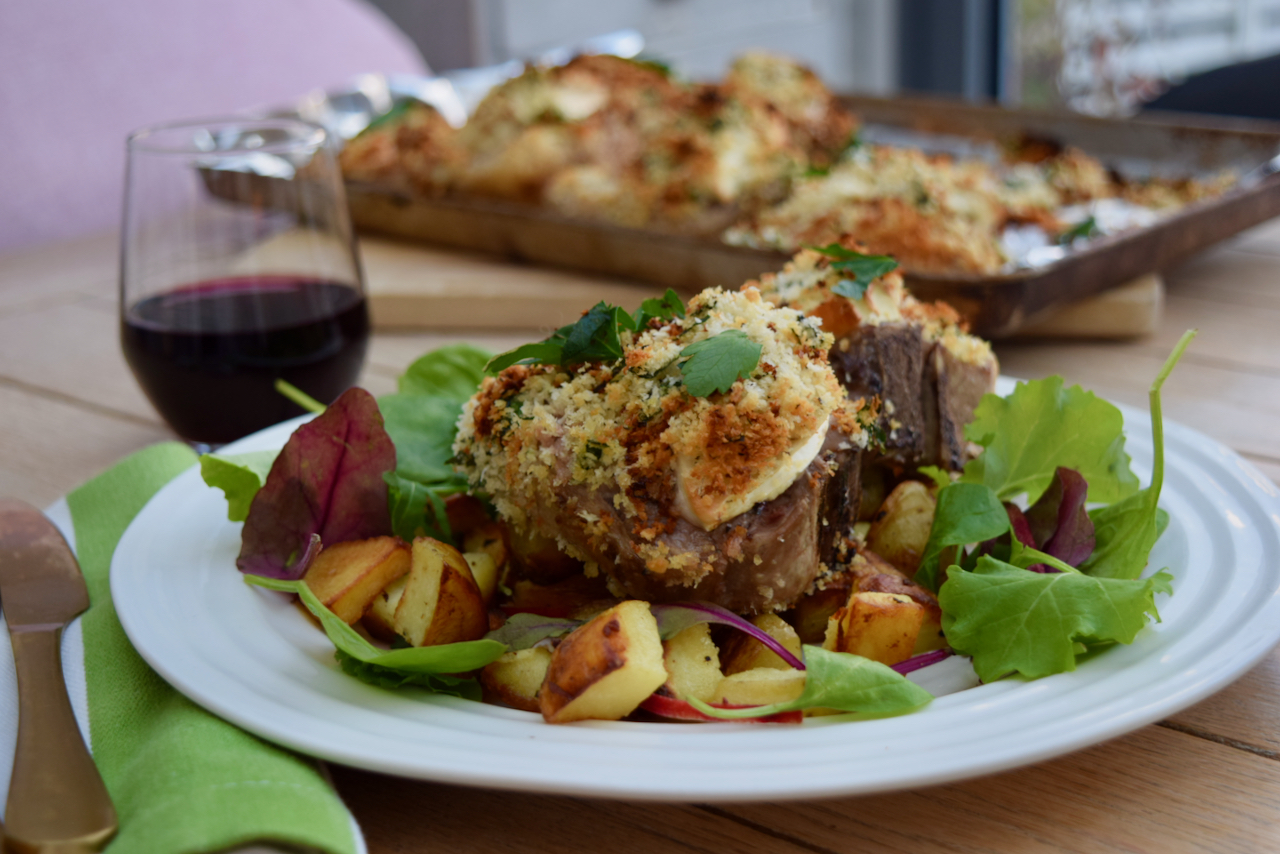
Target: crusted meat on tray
x: 617, y: 140
x: 739, y: 498
x: 916, y: 357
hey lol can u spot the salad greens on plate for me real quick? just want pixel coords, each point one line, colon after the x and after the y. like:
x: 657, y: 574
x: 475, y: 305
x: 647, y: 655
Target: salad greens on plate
x: 1036, y: 550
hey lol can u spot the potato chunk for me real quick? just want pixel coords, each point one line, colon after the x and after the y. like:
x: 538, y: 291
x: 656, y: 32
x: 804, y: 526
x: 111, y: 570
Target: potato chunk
x: 485, y: 573
x: 693, y: 664
x: 347, y: 577
x: 900, y: 531
x: 441, y: 602
x: 760, y: 687
x: 515, y: 678
x: 880, y: 626
x: 379, y: 620
x: 605, y: 668
x: 743, y: 652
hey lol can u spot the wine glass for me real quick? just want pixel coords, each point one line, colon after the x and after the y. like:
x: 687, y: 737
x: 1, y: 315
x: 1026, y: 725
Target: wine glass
x: 238, y: 268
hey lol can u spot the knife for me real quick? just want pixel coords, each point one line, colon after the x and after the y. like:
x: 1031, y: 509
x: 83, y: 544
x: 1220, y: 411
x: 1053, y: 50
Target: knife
x: 57, y: 800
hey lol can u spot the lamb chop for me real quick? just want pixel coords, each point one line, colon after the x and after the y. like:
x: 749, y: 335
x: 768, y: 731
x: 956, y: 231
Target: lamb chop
x: 741, y: 496
x: 927, y: 371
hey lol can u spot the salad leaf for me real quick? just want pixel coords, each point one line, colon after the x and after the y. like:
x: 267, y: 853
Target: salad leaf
x: 1013, y: 621
x: 1086, y: 228
x: 327, y: 481
x: 716, y: 363
x: 524, y: 630
x: 1058, y: 522
x: 966, y: 513
x: 865, y: 269
x: 422, y: 428
x: 417, y: 509
x: 446, y: 659
x: 453, y: 372
x: 838, y: 680
x: 1127, y: 530
x: 422, y: 420
x: 385, y: 677
x: 1041, y: 426
x: 239, y: 476
x: 675, y: 617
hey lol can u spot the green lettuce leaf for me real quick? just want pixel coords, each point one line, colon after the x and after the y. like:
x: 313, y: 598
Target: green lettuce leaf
x: 1041, y: 426
x: 966, y: 513
x: 239, y: 476
x: 838, y: 680
x: 1010, y: 620
x: 445, y: 659
x: 451, y: 372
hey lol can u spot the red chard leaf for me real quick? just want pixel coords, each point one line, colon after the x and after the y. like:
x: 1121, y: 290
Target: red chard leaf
x: 1021, y: 527
x: 1058, y: 520
x: 327, y: 481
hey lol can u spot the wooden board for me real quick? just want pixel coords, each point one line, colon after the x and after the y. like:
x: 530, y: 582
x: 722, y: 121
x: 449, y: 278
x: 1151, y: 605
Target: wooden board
x: 457, y: 291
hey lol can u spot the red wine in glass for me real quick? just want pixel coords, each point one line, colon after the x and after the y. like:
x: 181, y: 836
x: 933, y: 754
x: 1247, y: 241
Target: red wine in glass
x: 238, y: 268
x: 208, y: 354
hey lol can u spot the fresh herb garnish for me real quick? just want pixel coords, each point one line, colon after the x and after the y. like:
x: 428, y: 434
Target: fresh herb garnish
x: 716, y: 363
x: 594, y: 337
x: 1081, y: 230
x: 865, y: 269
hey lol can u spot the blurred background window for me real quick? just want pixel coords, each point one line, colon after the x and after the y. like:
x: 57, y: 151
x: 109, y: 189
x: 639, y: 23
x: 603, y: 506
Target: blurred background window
x: 1105, y: 57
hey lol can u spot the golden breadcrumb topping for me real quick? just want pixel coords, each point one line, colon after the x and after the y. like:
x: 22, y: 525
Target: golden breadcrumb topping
x: 806, y: 283
x: 631, y: 426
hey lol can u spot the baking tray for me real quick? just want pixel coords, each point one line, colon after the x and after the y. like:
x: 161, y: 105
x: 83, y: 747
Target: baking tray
x: 1169, y: 145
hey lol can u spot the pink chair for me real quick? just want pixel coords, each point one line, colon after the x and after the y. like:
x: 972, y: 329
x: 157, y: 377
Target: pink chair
x: 76, y: 76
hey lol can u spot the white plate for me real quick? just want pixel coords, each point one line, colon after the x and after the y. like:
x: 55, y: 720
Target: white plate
x: 250, y: 657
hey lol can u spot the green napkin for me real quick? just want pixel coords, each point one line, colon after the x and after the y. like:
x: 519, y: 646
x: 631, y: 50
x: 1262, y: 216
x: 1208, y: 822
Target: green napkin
x: 183, y: 781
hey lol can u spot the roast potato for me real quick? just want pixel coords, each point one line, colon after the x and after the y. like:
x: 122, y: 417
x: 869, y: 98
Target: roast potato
x: 441, y: 602
x: 693, y: 664
x: 900, y: 530
x: 743, y: 652
x: 605, y: 668
x: 515, y: 678
x: 760, y: 687
x: 880, y: 626
x: 347, y: 577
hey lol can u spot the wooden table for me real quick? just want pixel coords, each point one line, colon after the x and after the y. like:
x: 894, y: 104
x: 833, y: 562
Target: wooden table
x: 1207, y: 779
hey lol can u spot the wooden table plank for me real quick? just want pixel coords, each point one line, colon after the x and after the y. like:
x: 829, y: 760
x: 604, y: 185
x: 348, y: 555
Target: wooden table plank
x: 1154, y: 791
x: 52, y: 445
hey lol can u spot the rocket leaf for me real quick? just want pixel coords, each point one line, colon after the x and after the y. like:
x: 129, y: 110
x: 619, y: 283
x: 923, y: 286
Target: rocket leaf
x: 1010, y: 620
x: 1041, y: 426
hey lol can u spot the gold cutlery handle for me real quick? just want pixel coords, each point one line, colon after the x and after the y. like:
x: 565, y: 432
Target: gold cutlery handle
x: 57, y: 801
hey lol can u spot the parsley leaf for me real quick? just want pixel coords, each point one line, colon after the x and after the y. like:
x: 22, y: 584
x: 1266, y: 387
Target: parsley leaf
x: 666, y: 307
x: 716, y: 363
x: 865, y: 269
x: 1085, y: 229
x: 591, y: 338
x: 1010, y: 620
x: 1041, y: 426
